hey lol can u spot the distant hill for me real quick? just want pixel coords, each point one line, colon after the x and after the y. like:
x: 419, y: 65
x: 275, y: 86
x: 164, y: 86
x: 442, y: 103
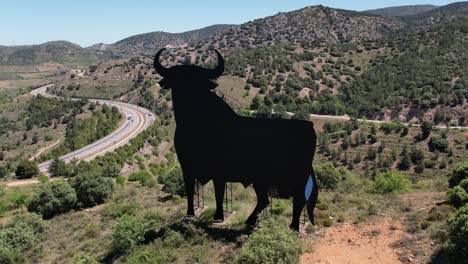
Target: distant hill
x: 62, y: 52
x: 308, y: 26
x: 149, y: 42
x: 400, y: 11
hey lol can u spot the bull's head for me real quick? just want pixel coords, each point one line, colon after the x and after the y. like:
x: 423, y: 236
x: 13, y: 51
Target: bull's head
x: 188, y: 76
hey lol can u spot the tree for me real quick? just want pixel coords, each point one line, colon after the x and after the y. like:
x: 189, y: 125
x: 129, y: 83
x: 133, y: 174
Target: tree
x: 92, y: 189
x: 111, y: 170
x: 58, y: 167
x: 426, y: 128
x: 459, y: 173
x: 417, y: 155
x: 26, y: 169
x: 438, y: 143
x: 405, y: 162
x: 173, y: 182
x: 458, y: 195
x: 127, y: 233
x: 256, y: 102
x: 328, y: 176
x: 52, y: 198
x: 35, y: 139
x: 2, y: 155
x: 458, y: 226
x: 18, y: 198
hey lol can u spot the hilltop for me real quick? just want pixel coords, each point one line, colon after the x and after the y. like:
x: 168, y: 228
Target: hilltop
x: 400, y: 11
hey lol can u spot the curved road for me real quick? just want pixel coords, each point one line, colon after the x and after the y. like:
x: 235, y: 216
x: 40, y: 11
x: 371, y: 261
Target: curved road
x: 137, y: 119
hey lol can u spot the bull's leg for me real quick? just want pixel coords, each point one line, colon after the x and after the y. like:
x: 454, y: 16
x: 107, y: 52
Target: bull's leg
x: 189, y: 182
x: 298, y: 205
x: 262, y: 201
x: 219, y: 186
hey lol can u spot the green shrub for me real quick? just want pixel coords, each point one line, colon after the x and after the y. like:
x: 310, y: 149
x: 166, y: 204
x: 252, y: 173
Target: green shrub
x: 27, y: 169
x: 458, y: 226
x: 278, y: 207
x: 58, y: 167
x: 327, y: 222
x: 82, y: 258
x: 391, y: 182
x: 173, y: 182
x: 459, y: 173
x: 127, y: 233
x: 22, y: 232
x: 458, y: 195
x: 120, y: 180
x: 116, y: 210
x: 42, y: 178
x: 8, y: 256
x: 438, y: 143
x: 52, y: 198
x: 92, y: 189
x: 328, y: 176
x: 274, y: 243
x: 143, y: 177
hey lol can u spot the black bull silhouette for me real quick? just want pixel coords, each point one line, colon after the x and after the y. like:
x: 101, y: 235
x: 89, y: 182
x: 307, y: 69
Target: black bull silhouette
x: 213, y: 142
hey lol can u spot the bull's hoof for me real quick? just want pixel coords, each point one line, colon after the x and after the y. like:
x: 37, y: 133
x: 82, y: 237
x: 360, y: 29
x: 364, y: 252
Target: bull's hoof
x: 294, y: 227
x: 251, y: 221
x: 218, y: 217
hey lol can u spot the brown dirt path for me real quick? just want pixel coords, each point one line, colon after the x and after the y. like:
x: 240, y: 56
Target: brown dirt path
x: 367, y: 244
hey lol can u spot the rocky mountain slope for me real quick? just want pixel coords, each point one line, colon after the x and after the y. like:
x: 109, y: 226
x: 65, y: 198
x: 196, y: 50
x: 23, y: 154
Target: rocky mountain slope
x: 62, y: 52
x: 400, y: 11
x: 149, y: 42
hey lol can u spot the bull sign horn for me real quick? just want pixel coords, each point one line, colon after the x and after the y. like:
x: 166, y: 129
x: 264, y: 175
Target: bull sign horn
x: 161, y: 70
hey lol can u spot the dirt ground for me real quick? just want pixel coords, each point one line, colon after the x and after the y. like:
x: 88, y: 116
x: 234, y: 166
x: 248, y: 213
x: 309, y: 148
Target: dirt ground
x: 348, y: 243
x: 375, y: 241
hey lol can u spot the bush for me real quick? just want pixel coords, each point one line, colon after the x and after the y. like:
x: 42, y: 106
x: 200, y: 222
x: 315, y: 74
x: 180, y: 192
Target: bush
x: 82, y: 258
x: 328, y: 176
x: 438, y: 143
x: 58, y: 167
x: 26, y: 169
x: 127, y: 233
x: 459, y: 173
x: 173, y: 182
x: 92, y: 189
x: 458, y: 196
x: 22, y: 232
x: 458, y: 226
x: 391, y: 182
x: 142, y: 176
x: 52, y: 198
x: 426, y: 128
x: 8, y: 256
x: 278, y: 207
x: 274, y: 243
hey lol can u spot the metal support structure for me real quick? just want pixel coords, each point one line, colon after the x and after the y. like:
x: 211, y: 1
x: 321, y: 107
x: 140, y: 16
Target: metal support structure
x: 303, y: 220
x: 228, y: 197
x: 200, y: 196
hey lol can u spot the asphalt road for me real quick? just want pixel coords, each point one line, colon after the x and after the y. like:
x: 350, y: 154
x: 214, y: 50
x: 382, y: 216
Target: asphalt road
x: 136, y: 120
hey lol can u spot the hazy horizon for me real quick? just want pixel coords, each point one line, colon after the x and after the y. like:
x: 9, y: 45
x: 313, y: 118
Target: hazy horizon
x: 87, y: 23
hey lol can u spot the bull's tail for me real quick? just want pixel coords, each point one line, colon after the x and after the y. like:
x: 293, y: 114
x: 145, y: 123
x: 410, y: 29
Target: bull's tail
x: 311, y: 195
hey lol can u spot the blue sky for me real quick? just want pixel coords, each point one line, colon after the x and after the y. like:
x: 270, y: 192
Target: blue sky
x: 87, y: 22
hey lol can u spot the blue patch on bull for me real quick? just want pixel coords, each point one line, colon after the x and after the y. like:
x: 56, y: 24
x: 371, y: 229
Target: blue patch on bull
x: 308, y: 188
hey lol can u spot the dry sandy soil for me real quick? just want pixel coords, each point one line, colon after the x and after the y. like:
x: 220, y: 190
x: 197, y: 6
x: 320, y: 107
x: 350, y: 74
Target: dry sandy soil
x: 375, y: 241
x: 347, y: 243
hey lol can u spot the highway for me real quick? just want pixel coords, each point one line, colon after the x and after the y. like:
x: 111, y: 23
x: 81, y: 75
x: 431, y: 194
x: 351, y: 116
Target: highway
x: 137, y: 119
